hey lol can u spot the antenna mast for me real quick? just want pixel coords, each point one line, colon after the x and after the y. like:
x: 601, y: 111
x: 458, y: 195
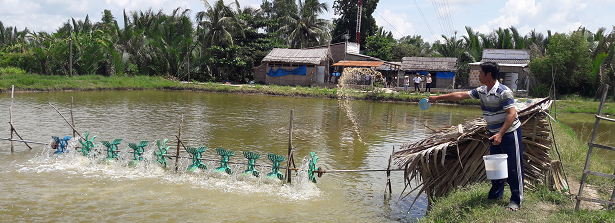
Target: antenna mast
x: 359, y: 9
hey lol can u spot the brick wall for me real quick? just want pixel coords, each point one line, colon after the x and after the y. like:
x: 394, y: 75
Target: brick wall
x: 259, y: 73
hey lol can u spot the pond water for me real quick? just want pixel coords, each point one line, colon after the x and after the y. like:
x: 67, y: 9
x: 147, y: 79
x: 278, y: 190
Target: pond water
x: 583, y: 125
x: 346, y: 135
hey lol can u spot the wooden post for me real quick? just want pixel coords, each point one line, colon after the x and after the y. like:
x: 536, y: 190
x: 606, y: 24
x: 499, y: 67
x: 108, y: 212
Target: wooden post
x: 178, y: 141
x: 68, y: 123
x: 71, y: 116
x: 388, y: 186
x: 290, y: 148
x: 11, y: 117
x: 188, y: 57
x: 70, y: 61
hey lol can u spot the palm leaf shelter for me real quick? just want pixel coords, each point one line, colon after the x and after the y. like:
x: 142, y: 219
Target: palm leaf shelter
x: 442, y: 70
x: 302, y: 67
x: 321, y: 64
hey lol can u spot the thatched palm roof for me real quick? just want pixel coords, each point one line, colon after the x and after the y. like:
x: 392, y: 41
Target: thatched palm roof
x: 297, y: 56
x: 452, y: 157
x: 389, y: 66
x: 429, y: 63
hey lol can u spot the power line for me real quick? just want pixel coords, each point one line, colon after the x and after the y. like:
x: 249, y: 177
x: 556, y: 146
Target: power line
x: 449, y: 16
x: 443, y: 19
x: 424, y: 19
x: 437, y: 15
x: 388, y: 23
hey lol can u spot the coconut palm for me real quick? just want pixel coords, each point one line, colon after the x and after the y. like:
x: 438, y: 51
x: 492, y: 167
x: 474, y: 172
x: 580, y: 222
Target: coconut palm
x: 305, y: 29
x: 472, y: 44
x: 536, y: 42
x: 218, y: 23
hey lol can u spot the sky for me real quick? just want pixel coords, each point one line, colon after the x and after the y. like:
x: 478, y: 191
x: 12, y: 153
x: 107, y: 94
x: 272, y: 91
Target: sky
x: 428, y: 18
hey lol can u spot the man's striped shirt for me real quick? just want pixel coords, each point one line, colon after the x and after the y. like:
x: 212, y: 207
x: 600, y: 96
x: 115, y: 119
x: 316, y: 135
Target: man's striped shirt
x: 494, y: 104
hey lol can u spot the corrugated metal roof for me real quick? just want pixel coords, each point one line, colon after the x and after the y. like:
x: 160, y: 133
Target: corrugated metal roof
x: 429, y: 63
x: 365, y: 56
x: 359, y: 63
x: 500, y: 61
x: 300, y: 56
x: 506, y: 54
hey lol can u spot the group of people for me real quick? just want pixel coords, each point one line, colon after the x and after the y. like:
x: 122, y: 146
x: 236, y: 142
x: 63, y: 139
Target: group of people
x: 417, y: 81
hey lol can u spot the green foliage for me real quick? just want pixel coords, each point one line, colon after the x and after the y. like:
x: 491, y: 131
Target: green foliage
x: 540, y: 91
x: 567, y: 63
x: 304, y: 29
x: 378, y: 46
x: 11, y: 70
x: 347, y: 20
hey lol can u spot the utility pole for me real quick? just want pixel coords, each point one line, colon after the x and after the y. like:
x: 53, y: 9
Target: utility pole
x: 70, y: 57
x: 359, y: 10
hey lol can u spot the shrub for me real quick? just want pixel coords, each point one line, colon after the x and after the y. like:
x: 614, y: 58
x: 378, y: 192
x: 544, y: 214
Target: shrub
x: 11, y: 70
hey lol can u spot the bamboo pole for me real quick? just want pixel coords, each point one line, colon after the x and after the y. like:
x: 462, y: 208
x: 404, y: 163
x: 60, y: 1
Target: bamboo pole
x: 388, y: 185
x: 178, y: 141
x: 15, y: 131
x: 70, y: 62
x: 290, y: 147
x: 24, y: 141
x: 65, y: 120
x: 11, y: 117
x: 71, y: 115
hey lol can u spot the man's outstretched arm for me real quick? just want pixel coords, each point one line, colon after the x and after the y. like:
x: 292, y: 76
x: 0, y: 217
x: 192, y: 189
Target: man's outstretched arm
x: 455, y: 96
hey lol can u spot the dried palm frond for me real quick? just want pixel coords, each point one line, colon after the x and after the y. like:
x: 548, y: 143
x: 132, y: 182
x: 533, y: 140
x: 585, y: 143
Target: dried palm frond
x: 453, y: 157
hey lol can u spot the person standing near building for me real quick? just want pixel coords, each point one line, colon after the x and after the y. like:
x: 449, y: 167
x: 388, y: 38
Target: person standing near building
x: 417, y: 81
x: 428, y: 83
x: 406, y: 83
x: 497, y: 103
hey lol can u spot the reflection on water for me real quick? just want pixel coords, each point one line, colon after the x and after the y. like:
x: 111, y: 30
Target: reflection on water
x: 583, y: 125
x: 344, y: 134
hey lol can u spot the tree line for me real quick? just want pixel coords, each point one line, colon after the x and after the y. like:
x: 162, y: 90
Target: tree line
x: 225, y: 41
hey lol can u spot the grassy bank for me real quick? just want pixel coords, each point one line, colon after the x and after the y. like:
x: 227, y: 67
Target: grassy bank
x: 469, y: 204
x: 34, y: 82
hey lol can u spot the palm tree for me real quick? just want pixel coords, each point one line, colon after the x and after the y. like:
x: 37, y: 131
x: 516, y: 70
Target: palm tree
x: 305, y: 29
x: 536, y: 42
x: 518, y: 40
x: 218, y: 23
x: 452, y: 47
x: 472, y: 44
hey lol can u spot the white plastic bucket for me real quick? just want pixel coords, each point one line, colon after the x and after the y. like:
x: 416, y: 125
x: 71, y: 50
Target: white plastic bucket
x: 495, y: 166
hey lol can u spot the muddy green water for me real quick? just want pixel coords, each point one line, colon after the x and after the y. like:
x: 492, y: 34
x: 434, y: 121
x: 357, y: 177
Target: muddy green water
x: 583, y: 125
x: 38, y: 186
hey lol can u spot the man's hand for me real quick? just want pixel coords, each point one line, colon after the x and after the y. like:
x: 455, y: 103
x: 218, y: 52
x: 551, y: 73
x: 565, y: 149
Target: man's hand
x: 497, y: 139
x: 432, y: 99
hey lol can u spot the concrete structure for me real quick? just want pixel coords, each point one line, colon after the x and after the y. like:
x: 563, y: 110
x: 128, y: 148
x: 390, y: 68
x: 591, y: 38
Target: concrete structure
x: 316, y: 61
x: 514, y: 71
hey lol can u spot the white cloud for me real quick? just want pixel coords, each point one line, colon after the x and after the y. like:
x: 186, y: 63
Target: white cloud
x: 465, y: 1
x: 556, y: 15
x: 396, y: 23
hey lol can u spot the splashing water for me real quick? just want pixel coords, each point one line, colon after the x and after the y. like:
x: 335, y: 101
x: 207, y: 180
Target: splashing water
x: 350, y: 77
x: 93, y: 166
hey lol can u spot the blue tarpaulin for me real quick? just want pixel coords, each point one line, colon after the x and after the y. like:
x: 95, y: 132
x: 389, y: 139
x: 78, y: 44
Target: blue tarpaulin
x: 445, y: 75
x: 422, y: 72
x: 281, y: 72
